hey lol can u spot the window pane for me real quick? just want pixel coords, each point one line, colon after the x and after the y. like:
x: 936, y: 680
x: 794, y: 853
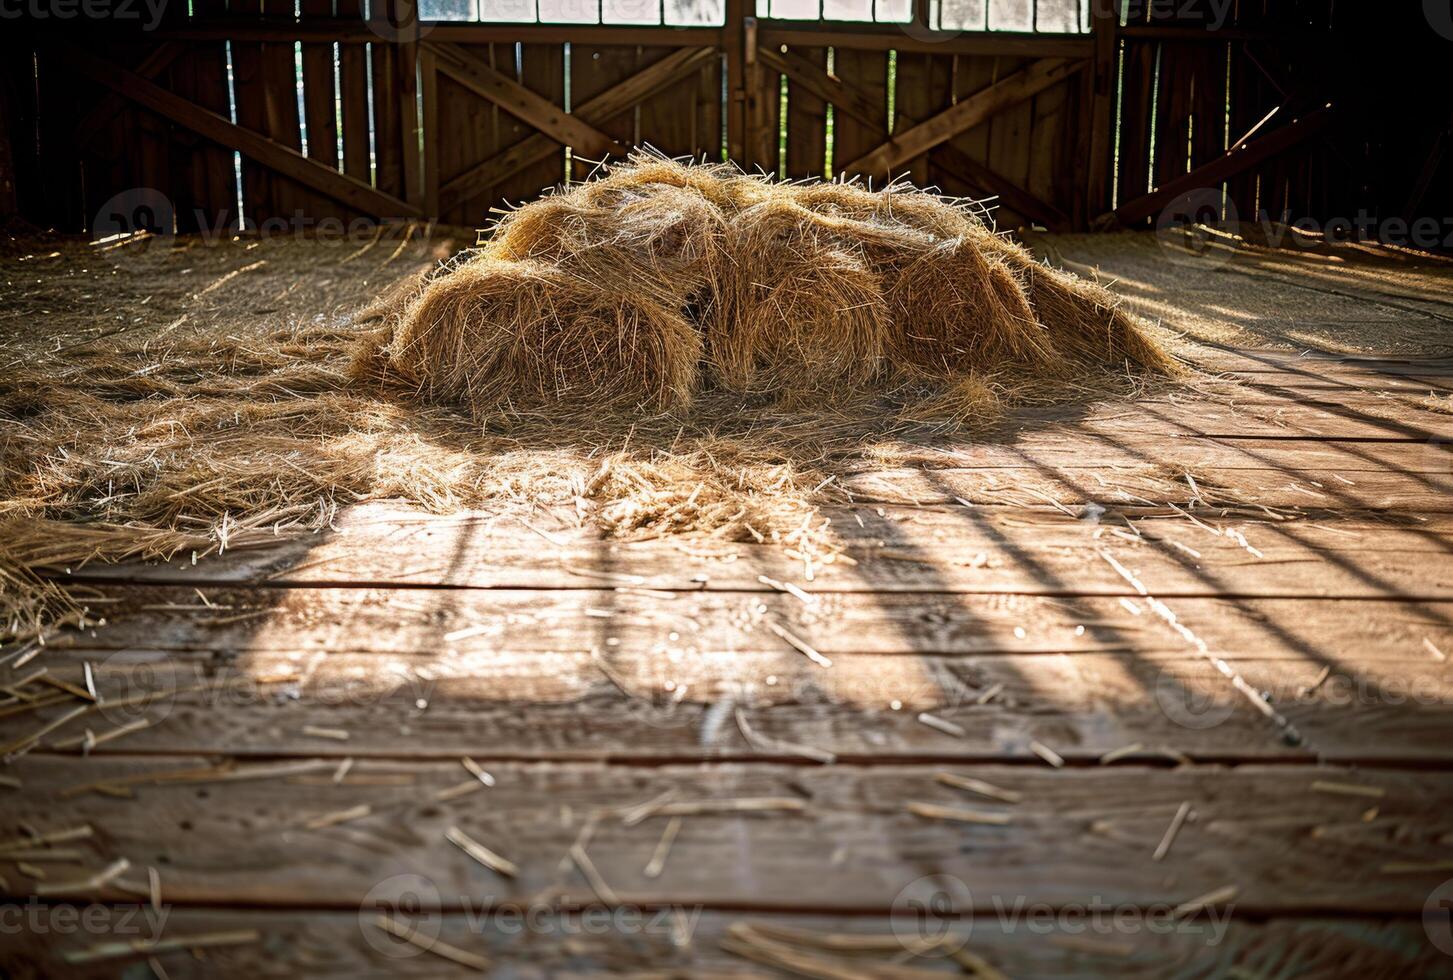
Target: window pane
x: 507, y: 10
x: 962, y: 15
x: 1059, y: 15
x: 847, y: 9
x: 446, y: 9
x: 795, y: 9
x: 690, y: 13
x: 568, y: 11
x: 895, y: 11
x: 631, y: 11
x: 1011, y: 15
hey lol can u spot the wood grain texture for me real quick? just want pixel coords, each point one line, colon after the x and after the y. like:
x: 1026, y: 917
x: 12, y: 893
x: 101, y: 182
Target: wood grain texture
x: 1076, y: 836
x: 1015, y: 88
x: 950, y: 549
x: 655, y: 943
x: 271, y: 154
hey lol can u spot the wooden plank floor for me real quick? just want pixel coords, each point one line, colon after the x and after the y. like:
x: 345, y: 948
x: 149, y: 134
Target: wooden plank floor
x: 1226, y: 610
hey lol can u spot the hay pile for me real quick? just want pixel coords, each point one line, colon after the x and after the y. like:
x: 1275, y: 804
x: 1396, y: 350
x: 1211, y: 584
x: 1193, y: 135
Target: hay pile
x: 642, y: 288
x: 754, y: 343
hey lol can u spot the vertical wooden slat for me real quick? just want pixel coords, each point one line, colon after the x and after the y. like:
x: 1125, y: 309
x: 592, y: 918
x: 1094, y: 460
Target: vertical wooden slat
x: 1104, y: 93
x: 473, y: 128
x: 320, y: 103
x: 9, y: 118
x: 1010, y: 134
x: 763, y: 104
x: 544, y: 72
x: 204, y: 180
x: 971, y: 74
x: 433, y: 135
x: 1049, y: 145
x: 1251, y: 99
x: 387, y: 125
x: 63, y: 206
x: 923, y: 90
x: 320, y: 112
x: 736, y: 12
x: 867, y: 71
x: 353, y: 93
x: 707, y: 133
x: 150, y: 139
x: 281, y: 111
x: 1137, y: 97
x: 18, y: 80
x: 806, y: 123
x: 594, y: 69
x: 668, y: 119
x: 249, y: 81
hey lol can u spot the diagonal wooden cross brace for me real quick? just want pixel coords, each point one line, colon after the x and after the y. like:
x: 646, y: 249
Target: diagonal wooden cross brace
x: 522, y: 103
x: 1008, y: 91
x: 271, y: 154
x: 680, y: 64
x: 852, y: 101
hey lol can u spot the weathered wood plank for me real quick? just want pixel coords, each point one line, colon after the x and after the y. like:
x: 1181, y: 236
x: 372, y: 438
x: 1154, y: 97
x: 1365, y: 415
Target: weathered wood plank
x: 594, y: 673
x: 662, y: 941
x: 521, y: 102
x: 1076, y: 836
x: 993, y: 184
x: 269, y: 153
x: 669, y: 70
x: 904, y: 549
x: 1238, y: 159
x: 919, y: 139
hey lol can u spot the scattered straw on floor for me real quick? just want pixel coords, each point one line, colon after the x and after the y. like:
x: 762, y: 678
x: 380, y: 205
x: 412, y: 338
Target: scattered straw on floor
x: 668, y: 349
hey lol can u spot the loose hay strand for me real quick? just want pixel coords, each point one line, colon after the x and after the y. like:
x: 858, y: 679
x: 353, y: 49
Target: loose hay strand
x: 754, y: 336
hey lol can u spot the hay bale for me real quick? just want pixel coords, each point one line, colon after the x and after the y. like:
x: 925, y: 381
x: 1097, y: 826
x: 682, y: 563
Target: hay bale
x: 798, y: 307
x: 621, y: 289
x: 1085, y: 319
x: 496, y: 334
x: 959, y: 310
x: 659, y: 238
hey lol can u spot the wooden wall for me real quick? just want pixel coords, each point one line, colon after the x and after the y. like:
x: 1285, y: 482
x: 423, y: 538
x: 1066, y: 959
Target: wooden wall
x: 395, y: 129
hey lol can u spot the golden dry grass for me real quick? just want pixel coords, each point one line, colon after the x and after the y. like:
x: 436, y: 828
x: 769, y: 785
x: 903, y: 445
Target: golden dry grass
x: 660, y: 278
x: 486, y: 382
